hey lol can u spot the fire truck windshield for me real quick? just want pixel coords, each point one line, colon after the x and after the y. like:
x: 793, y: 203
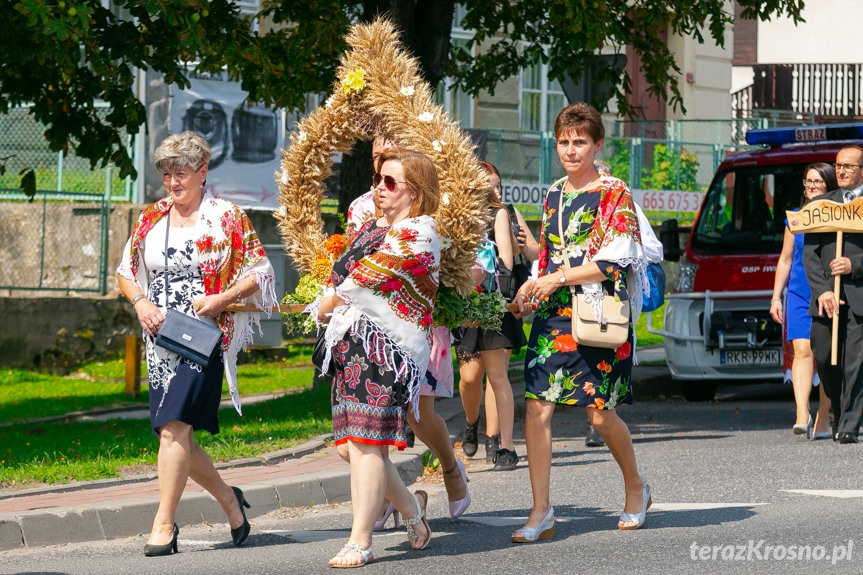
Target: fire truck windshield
x: 744, y: 210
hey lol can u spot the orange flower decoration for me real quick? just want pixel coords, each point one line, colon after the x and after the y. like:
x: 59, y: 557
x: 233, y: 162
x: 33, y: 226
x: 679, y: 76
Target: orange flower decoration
x: 564, y: 342
x: 565, y: 312
x: 600, y: 403
x: 604, y: 366
x: 588, y: 388
x: 336, y: 244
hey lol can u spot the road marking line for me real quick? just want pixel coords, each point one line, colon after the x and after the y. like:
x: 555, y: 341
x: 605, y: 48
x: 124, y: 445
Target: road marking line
x: 500, y: 521
x: 698, y: 506
x: 838, y: 493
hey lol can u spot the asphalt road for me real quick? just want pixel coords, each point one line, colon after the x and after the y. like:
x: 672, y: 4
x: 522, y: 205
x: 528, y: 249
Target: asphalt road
x: 734, y: 492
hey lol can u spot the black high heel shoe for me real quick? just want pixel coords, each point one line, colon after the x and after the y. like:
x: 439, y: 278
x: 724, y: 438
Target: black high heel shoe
x: 166, y: 549
x: 240, y: 533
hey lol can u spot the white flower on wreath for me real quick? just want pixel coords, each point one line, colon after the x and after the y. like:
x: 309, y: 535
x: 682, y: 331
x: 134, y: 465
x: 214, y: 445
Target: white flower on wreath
x: 426, y: 117
x: 444, y: 199
x: 282, y: 211
x: 330, y: 101
x: 445, y: 243
x: 302, y: 137
x: 437, y: 146
x: 407, y: 91
x: 285, y: 178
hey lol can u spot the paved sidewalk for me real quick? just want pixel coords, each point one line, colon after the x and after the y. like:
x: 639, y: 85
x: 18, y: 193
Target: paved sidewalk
x: 307, y: 475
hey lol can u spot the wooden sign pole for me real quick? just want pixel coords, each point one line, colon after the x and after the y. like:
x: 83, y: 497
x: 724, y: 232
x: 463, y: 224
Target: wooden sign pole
x: 826, y: 216
x: 837, y: 279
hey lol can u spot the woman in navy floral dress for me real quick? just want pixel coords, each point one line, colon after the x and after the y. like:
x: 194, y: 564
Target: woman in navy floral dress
x: 603, y: 247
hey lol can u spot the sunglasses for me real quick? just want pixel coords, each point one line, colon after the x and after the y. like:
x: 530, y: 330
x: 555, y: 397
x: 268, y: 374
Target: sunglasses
x: 389, y: 182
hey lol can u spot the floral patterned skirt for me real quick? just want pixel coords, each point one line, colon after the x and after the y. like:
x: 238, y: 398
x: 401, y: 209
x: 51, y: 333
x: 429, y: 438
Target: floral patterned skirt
x: 369, y: 404
x: 559, y: 370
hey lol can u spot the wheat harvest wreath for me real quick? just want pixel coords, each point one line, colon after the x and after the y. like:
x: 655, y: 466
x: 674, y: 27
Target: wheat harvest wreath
x: 379, y: 90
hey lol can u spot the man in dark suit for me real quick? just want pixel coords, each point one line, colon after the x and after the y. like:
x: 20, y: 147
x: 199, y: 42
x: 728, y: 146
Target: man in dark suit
x: 843, y: 383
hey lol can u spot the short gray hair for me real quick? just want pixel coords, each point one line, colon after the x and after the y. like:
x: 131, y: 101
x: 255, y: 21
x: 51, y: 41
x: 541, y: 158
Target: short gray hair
x: 184, y: 150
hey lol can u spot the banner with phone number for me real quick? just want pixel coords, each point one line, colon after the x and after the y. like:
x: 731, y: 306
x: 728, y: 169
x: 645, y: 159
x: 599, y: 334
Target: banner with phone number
x: 668, y: 200
x: 650, y: 200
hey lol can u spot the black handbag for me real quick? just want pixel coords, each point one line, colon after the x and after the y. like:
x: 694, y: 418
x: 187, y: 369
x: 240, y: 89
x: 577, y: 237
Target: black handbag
x: 510, y: 281
x: 185, y: 335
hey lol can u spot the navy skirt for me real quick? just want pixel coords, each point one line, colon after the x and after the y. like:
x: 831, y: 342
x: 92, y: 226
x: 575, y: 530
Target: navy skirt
x: 193, y: 397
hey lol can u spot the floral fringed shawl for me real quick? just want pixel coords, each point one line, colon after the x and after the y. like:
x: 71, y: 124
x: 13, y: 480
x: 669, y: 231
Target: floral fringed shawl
x: 229, y: 250
x: 391, y: 292
x: 615, y: 238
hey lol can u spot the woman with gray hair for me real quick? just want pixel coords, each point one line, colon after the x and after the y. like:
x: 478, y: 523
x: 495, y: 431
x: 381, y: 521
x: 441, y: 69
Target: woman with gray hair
x: 193, y: 253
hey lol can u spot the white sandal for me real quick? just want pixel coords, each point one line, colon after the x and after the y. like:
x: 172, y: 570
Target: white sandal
x: 410, y: 522
x: 365, y: 555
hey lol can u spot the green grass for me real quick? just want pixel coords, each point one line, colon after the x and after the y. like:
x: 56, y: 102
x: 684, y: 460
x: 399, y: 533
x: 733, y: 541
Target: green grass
x: 79, y: 181
x: 645, y: 338
x: 76, y: 451
x: 26, y: 395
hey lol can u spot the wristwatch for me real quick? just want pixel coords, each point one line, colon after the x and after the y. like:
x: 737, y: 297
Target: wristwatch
x: 562, y: 276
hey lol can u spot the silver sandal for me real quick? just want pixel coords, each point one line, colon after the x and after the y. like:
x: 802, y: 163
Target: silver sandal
x: 410, y: 522
x: 365, y: 555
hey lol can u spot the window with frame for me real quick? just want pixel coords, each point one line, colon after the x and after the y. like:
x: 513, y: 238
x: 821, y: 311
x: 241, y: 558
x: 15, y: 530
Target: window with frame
x: 540, y: 99
x: 459, y: 104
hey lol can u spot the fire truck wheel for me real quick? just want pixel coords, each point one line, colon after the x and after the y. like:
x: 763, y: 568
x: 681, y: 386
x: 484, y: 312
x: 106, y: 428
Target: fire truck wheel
x: 699, y: 390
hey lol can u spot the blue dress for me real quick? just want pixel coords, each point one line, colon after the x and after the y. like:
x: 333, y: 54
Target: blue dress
x: 797, y: 319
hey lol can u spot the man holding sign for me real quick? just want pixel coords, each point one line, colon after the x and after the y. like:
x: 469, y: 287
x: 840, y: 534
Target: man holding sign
x: 834, y: 268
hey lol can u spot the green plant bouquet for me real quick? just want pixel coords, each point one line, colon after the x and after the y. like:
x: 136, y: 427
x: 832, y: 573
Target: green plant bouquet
x: 483, y: 310
x: 308, y: 290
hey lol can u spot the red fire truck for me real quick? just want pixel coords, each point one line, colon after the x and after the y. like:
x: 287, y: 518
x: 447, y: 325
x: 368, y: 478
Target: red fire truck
x: 717, y: 325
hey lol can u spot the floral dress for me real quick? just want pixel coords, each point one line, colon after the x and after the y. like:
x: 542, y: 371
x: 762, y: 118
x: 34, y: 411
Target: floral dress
x: 179, y: 388
x: 369, y: 404
x: 557, y: 369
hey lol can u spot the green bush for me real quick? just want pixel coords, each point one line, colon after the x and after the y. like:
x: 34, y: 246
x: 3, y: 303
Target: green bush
x: 620, y: 161
x: 671, y: 171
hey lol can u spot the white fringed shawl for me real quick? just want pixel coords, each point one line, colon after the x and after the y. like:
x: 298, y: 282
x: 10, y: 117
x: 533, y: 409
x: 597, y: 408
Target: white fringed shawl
x: 391, y: 292
x: 230, y: 251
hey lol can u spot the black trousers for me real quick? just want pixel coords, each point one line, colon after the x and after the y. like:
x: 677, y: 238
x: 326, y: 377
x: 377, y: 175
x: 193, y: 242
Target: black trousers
x: 843, y: 383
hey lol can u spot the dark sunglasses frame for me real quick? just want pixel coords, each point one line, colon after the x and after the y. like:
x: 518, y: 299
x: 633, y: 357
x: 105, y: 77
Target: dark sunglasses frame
x: 389, y: 181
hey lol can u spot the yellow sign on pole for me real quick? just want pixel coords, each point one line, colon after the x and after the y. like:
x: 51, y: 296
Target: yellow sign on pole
x: 827, y: 216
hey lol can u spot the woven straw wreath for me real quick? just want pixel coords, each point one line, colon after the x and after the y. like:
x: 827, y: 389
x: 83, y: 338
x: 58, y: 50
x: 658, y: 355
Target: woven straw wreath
x: 379, y: 85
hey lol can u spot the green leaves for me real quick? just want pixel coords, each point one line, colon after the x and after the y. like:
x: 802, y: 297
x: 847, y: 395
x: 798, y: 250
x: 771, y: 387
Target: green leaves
x: 570, y: 35
x: 62, y: 57
x: 28, y: 183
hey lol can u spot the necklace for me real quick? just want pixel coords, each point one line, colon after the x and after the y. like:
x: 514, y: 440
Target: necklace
x: 184, y: 221
x: 573, y: 189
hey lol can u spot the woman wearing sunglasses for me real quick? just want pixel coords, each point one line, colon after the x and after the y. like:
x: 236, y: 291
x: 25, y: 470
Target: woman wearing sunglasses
x: 378, y: 336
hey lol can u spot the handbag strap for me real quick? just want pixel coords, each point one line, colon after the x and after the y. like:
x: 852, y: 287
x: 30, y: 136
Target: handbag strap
x: 167, y: 274
x: 560, y: 231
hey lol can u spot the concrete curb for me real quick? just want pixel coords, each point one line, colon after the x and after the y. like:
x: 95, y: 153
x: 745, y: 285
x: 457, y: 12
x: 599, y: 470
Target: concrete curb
x: 312, y: 445
x: 131, y: 517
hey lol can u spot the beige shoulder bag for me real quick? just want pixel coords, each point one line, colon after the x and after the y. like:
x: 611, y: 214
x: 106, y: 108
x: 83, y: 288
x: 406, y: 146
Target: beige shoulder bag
x: 612, y: 328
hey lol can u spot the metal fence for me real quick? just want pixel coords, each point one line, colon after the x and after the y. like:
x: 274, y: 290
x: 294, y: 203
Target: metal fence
x: 56, y: 241
x: 23, y: 147
x: 54, y: 245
